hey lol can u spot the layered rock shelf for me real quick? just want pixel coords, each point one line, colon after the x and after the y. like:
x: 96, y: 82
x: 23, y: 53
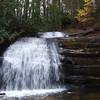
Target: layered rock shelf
x: 81, y: 60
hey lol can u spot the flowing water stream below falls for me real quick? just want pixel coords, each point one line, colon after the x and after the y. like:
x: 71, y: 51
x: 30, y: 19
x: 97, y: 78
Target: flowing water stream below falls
x: 31, y: 67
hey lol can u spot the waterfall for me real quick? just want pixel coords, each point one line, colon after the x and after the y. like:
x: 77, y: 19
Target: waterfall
x: 31, y: 63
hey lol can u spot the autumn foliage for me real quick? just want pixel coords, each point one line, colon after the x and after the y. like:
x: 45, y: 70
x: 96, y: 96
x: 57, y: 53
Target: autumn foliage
x: 84, y: 15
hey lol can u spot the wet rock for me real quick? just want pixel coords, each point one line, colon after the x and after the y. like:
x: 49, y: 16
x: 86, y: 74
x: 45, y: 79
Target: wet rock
x: 1, y: 94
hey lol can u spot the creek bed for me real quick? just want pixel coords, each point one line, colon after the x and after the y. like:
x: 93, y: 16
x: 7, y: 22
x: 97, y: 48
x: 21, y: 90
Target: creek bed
x: 61, y: 96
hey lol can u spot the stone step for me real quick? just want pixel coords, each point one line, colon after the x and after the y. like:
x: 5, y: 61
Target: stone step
x: 80, y: 54
x: 87, y: 66
x: 86, y: 61
x: 77, y: 43
x: 80, y: 61
x: 82, y: 70
x: 82, y: 67
x: 79, y: 79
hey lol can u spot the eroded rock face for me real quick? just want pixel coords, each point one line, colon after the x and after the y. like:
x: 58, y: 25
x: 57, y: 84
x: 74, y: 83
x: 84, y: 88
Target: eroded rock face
x: 0, y: 72
x: 84, y: 64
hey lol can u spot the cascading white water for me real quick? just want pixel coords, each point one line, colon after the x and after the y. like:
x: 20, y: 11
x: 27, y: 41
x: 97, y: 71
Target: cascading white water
x: 31, y: 64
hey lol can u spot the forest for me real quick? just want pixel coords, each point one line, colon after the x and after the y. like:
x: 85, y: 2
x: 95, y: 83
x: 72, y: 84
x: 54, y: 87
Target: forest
x: 27, y: 17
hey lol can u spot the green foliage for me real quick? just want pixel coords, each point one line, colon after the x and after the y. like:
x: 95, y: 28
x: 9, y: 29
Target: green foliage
x: 27, y: 17
x: 66, y: 19
x: 3, y: 32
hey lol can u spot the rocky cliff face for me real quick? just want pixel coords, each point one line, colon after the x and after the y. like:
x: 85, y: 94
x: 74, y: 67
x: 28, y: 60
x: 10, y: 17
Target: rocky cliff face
x: 81, y: 60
